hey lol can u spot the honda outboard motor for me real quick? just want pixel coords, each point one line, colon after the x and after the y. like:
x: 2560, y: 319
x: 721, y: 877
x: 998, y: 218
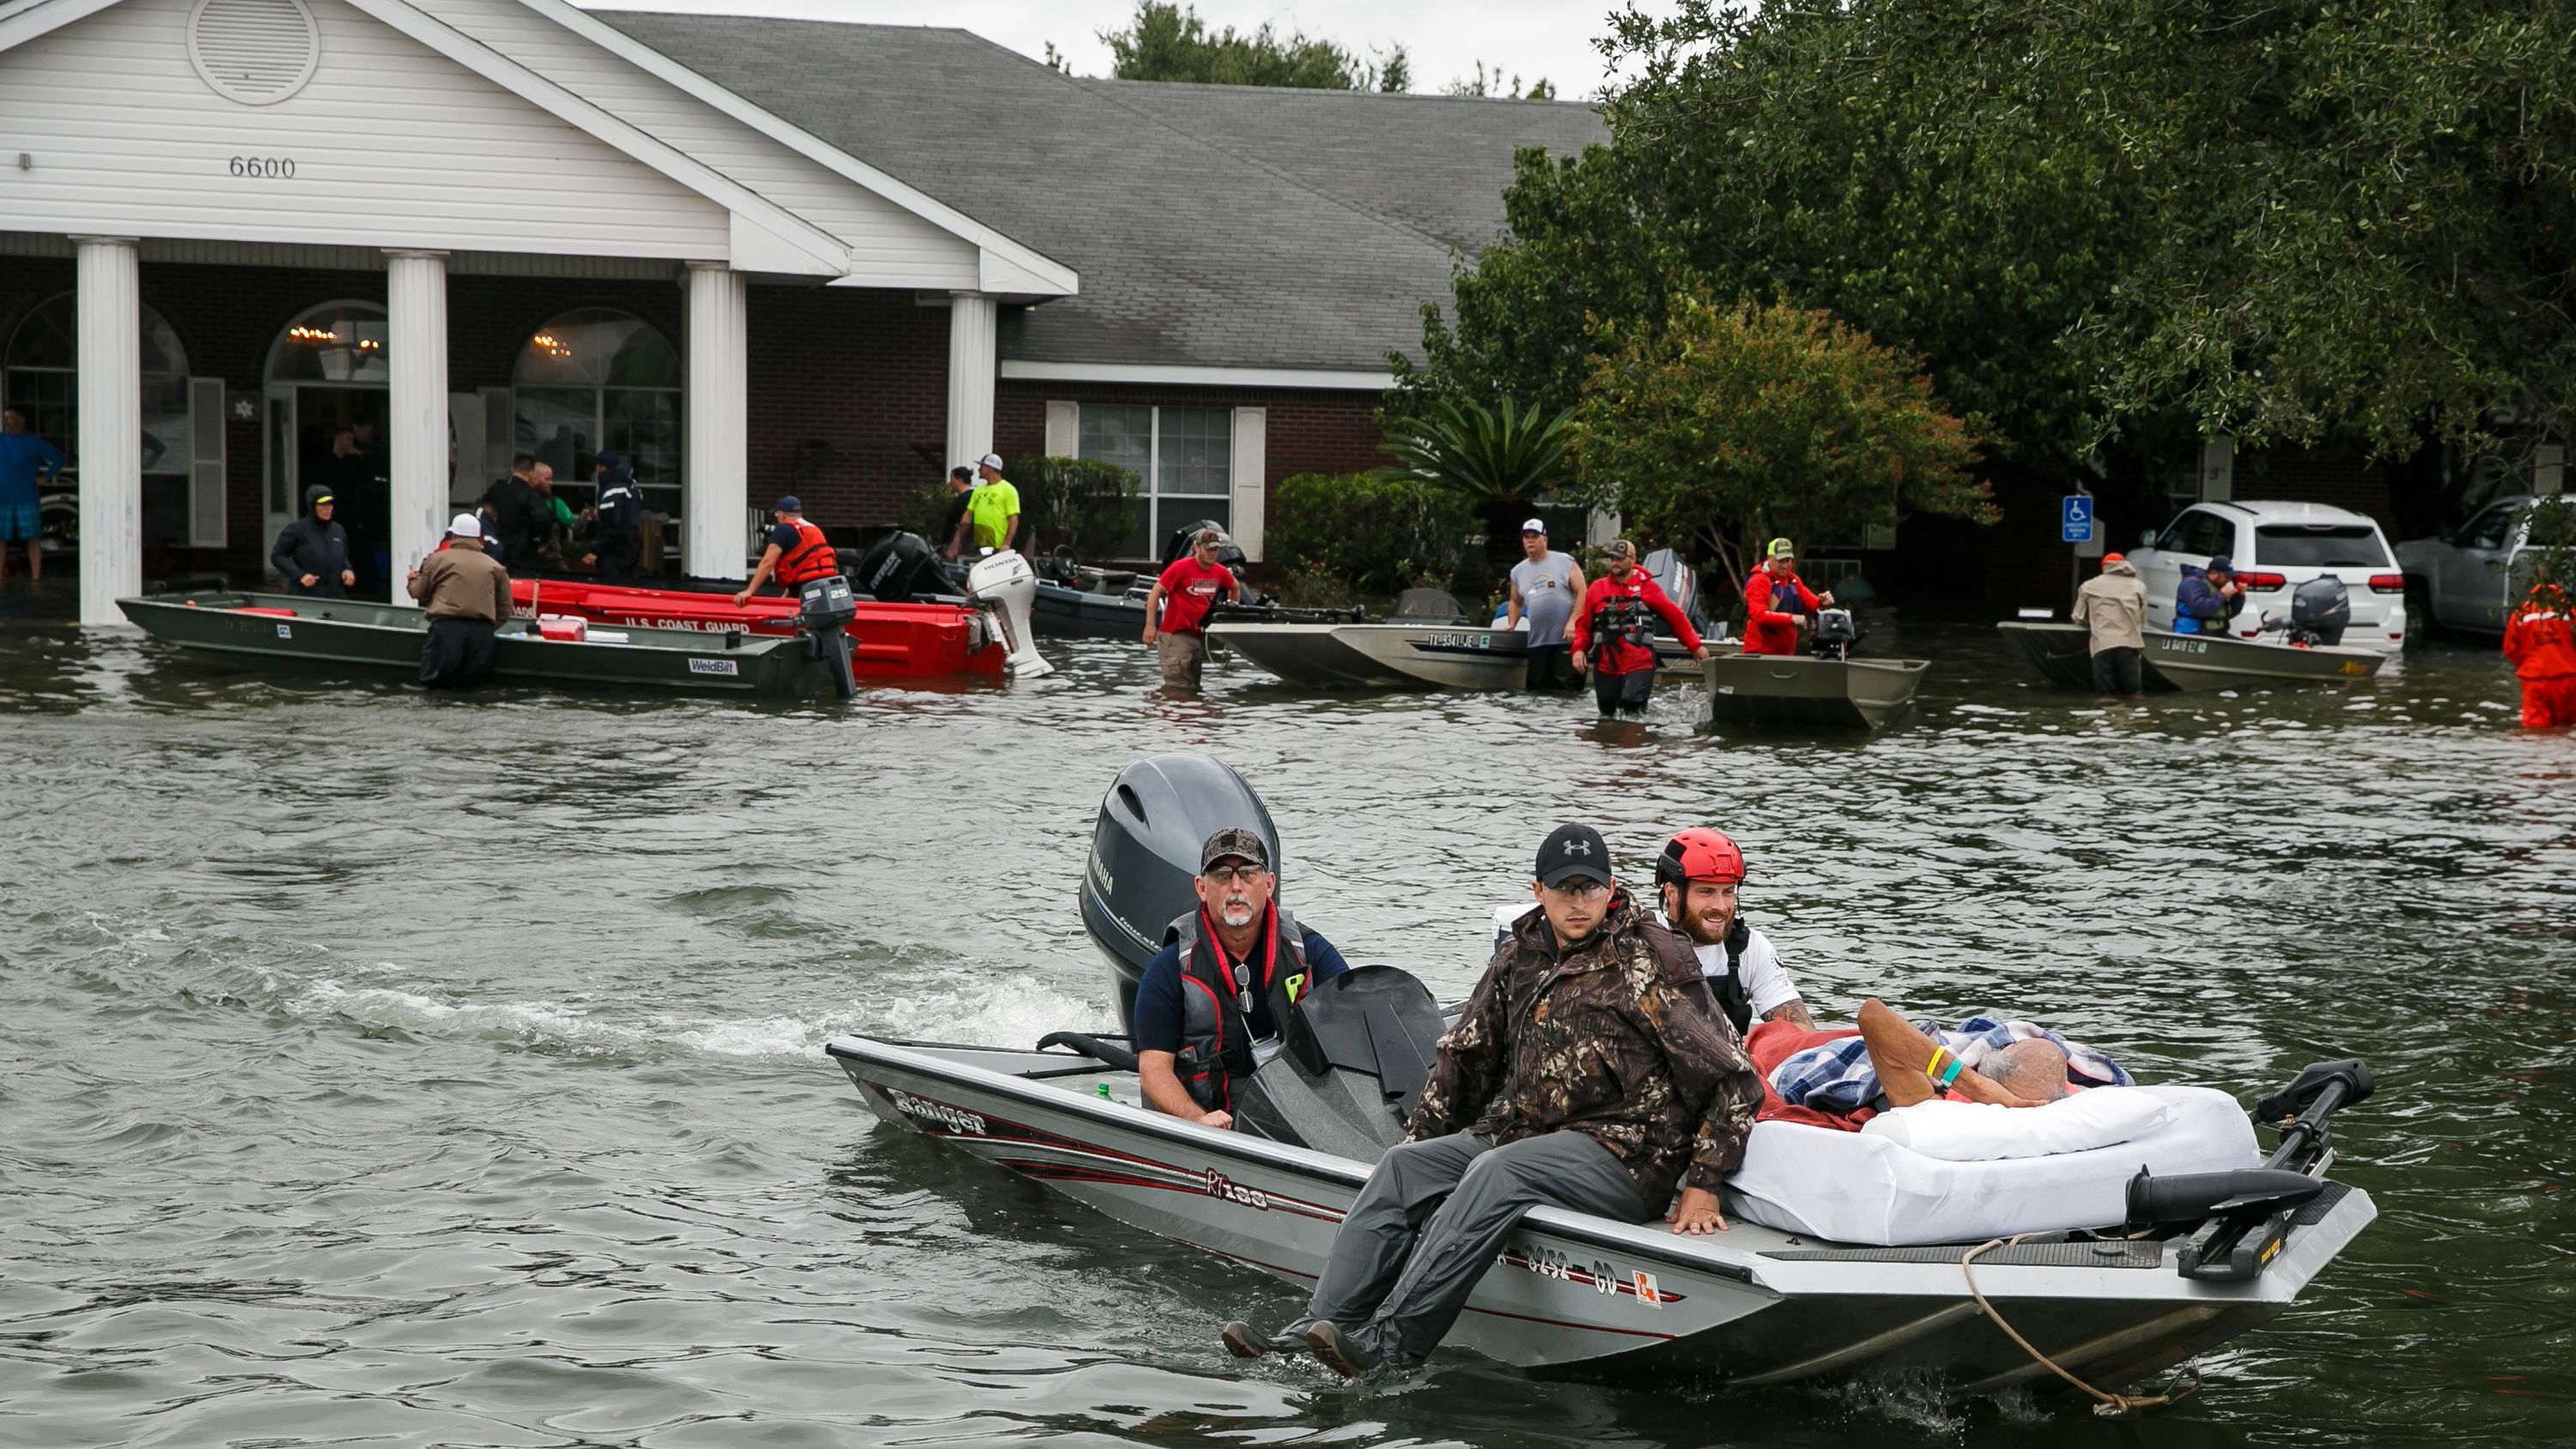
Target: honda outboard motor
x: 1834, y: 635
x: 824, y: 609
x: 900, y: 567
x: 1348, y: 1068
x: 2320, y: 610
x: 1005, y: 581
x: 1144, y: 866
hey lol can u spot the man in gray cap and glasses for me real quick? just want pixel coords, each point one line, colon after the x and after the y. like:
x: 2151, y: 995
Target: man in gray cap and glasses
x: 1588, y: 1071
x: 1237, y: 966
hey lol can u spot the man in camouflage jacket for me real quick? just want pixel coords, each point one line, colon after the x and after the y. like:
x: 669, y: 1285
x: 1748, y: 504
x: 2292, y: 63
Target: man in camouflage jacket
x: 1590, y: 1070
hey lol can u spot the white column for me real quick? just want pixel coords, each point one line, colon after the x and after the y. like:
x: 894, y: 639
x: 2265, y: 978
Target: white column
x: 716, y: 494
x: 416, y: 338
x: 111, y: 426
x: 972, y: 320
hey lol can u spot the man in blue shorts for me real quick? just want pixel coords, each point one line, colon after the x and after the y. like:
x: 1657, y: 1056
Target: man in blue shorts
x: 1240, y: 966
x: 25, y: 462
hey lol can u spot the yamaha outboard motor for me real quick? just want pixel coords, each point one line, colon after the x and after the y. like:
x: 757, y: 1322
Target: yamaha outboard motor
x: 2320, y: 610
x: 1006, y: 584
x: 1834, y: 634
x: 824, y: 609
x: 901, y: 567
x: 1144, y: 866
x: 1185, y: 538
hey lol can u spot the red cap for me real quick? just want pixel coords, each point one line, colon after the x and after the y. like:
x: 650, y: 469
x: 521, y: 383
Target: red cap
x: 2112, y: 558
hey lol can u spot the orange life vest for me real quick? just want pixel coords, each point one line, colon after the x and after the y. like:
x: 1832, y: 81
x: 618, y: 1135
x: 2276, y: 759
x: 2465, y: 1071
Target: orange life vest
x: 810, y: 559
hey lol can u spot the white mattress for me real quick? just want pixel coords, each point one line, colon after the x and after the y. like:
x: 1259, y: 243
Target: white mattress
x: 1847, y: 1187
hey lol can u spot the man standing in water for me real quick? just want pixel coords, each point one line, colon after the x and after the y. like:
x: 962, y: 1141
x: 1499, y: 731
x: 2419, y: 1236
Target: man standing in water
x: 466, y: 596
x: 1613, y: 635
x: 2112, y: 606
x: 1176, y: 610
x: 1545, y: 585
x: 1585, y: 1073
x: 2539, y: 642
x: 26, y: 461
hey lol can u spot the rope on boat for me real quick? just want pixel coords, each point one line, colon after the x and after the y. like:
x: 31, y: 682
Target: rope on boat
x: 2105, y: 1405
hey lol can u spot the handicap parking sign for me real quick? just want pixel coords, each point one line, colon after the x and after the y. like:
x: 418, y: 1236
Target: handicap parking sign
x: 2075, y: 518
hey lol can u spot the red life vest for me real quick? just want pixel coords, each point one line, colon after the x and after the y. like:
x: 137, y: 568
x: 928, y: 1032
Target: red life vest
x: 810, y: 559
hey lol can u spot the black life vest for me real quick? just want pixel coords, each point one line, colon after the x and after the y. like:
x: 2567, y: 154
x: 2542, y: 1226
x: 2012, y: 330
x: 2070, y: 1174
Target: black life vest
x: 1728, y: 988
x: 1216, y: 1033
x: 1621, y: 618
x: 810, y: 559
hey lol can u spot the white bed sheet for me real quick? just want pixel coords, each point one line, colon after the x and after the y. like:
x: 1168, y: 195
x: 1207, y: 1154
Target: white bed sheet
x: 1847, y: 1187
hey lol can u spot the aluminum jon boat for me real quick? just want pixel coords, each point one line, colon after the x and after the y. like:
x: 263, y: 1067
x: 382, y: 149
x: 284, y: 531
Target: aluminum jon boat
x: 2061, y: 652
x: 1799, y: 691
x: 380, y: 639
x: 1400, y: 655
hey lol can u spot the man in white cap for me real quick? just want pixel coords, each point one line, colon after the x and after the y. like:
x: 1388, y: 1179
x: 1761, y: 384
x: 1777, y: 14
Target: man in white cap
x: 466, y: 594
x: 1545, y: 585
x: 993, y: 509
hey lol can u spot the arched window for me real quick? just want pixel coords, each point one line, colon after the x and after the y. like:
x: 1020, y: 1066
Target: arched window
x: 42, y: 381
x: 598, y: 379
x: 337, y: 342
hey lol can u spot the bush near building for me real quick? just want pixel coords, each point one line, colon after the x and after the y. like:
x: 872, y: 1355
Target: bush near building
x: 1371, y: 533
x: 1081, y: 503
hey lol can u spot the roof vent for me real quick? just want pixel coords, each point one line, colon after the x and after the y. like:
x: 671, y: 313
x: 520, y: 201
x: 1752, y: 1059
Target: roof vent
x: 257, y: 52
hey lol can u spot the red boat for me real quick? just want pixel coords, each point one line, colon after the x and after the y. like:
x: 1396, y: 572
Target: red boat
x: 892, y: 641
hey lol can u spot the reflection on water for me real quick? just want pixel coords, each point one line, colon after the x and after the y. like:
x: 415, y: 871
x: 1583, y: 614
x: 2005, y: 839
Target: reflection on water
x: 446, y: 1071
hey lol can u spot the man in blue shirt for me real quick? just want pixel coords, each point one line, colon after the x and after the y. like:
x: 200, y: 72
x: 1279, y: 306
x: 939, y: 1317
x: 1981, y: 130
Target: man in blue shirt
x: 1240, y: 964
x: 25, y: 461
x: 2205, y: 601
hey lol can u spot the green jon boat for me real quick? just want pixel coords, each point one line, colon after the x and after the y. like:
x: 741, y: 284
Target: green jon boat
x: 282, y: 629
x: 2062, y: 653
x: 1797, y: 691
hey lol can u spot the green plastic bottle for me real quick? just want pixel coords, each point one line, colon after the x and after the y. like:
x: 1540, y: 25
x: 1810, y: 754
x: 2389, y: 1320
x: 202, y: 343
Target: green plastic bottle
x: 1104, y: 1092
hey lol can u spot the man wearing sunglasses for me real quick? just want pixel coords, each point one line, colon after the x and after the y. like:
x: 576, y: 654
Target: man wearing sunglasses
x: 1587, y: 1072
x: 1240, y: 964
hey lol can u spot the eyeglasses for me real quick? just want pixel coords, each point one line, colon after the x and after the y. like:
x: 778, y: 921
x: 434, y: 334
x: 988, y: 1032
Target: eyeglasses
x: 1229, y: 874
x: 1582, y: 890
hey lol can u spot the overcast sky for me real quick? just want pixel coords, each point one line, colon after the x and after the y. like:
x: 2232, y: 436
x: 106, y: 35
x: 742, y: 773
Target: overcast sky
x: 1445, y: 38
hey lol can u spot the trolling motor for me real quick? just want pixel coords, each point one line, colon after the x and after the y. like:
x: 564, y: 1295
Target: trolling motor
x: 824, y: 609
x: 2239, y: 1219
x: 1834, y: 634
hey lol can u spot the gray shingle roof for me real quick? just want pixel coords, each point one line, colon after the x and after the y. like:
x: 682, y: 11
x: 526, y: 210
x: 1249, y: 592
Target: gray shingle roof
x: 1214, y: 226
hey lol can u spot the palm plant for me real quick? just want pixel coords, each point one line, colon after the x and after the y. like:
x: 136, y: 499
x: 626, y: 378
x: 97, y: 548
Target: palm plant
x: 1501, y: 460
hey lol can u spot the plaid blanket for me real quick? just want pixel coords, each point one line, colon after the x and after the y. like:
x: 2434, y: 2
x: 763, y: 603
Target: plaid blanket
x: 1836, y: 1076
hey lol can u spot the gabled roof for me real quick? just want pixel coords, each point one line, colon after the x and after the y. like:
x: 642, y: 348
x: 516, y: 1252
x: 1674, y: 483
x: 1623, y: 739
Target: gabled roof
x: 1213, y: 227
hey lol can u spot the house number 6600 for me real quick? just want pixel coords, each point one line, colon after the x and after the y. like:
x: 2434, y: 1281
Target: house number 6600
x: 281, y: 168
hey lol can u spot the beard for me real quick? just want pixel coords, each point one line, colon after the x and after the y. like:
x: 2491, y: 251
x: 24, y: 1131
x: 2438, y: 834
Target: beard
x: 1237, y: 913
x: 1700, y: 927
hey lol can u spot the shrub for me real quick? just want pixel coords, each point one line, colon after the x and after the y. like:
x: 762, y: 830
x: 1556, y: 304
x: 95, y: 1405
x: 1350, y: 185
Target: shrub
x: 922, y: 510
x: 1374, y: 533
x: 1087, y: 504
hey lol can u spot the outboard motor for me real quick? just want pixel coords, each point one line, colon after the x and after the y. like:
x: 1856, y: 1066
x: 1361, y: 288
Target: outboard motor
x: 1680, y: 583
x: 1005, y: 582
x: 1144, y: 866
x: 900, y: 567
x: 2320, y: 610
x: 1183, y: 539
x: 1834, y: 634
x: 824, y: 609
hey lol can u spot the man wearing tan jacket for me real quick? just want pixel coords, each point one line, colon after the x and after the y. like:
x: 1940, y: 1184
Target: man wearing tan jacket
x: 466, y: 594
x: 2113, y: 604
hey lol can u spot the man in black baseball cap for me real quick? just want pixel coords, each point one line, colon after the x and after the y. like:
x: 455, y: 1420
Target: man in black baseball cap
x: 1587, y: 1072
x: 1235, y: 968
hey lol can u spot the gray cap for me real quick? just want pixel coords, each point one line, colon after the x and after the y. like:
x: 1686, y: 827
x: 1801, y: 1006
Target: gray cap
x: 1236, y: 841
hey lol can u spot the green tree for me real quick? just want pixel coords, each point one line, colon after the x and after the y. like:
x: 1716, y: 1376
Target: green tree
x: 1168, y: 42
x: 1721, y: 425
x: 1498, y: 460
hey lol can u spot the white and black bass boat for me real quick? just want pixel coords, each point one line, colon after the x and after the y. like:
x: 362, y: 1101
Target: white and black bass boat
x: 2119, y: 1262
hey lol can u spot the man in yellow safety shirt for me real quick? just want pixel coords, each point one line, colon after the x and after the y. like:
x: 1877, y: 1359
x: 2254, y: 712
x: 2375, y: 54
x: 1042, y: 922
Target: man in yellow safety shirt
x: 993, y: 509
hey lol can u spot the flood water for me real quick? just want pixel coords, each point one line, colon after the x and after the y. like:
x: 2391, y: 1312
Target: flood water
x: 391, y: 1070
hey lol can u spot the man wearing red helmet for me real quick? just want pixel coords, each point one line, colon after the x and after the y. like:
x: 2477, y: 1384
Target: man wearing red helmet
x: 1698, y: 875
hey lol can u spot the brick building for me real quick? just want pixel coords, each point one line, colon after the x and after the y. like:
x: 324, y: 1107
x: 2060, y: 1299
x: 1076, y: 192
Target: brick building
x: 253, y: 246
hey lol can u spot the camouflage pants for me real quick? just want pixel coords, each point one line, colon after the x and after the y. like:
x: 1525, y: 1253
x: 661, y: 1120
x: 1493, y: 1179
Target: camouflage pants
x: 1464, y: 1197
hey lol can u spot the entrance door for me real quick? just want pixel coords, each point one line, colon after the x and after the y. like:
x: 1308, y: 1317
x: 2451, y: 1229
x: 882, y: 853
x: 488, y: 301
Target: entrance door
x: 334, y: 437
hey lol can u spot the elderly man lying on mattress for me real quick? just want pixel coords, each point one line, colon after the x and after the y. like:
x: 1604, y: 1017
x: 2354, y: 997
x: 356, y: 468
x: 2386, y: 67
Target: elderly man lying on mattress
x: 1840, y: 1079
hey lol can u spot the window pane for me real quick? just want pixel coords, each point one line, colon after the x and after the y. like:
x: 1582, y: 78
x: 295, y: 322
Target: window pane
x: 165, y: 508
x: 645, y: 426
x: 340, y: 343
x: 2354, y: 545
x: 596, y: 346
x: 1198, y: 452
x: 46, y: 338
x: 557, y: 425
x: 1120, y: 435
x: 165, y: 425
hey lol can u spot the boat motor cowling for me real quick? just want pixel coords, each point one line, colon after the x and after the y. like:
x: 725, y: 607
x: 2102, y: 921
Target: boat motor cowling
x: 1144, y: 866
x: 1834, y: 634
x: 900, y: 567
x: 2321, y: 609
x: 824, y: 609
x: 1004, y: 582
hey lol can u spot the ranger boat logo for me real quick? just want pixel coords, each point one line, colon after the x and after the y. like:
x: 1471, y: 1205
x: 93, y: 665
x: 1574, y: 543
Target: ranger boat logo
x: 936, y: 1114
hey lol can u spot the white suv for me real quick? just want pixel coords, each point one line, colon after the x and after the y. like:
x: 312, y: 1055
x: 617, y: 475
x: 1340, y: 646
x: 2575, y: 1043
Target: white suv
x: 2276, y: 547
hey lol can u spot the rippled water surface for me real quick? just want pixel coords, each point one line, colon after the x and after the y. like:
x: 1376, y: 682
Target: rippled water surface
x: 389, y: 1070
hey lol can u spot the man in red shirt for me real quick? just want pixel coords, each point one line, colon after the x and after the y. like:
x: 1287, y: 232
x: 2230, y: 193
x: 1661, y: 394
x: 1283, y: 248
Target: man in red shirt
x: 1777, y: 601
x: 1176, y: 611
x: 2539, y: 642
x: 1611, y: 636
